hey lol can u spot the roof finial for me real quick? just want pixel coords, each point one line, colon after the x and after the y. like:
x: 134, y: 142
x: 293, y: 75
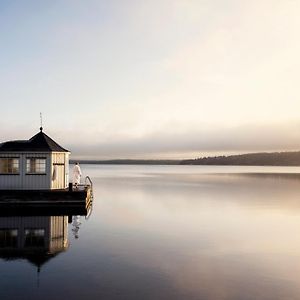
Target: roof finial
x: 41, y: 118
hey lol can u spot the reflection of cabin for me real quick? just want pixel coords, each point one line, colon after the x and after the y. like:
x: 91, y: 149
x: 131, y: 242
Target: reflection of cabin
x: 35, y: 164
x: 36, y: 238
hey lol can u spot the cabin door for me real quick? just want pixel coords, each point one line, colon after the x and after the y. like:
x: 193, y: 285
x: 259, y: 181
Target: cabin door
x: 58, y: 178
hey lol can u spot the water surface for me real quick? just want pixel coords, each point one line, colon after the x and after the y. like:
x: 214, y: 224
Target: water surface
x: 173, y: 232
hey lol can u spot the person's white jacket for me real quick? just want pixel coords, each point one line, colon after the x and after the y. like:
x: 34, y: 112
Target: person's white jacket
x: 76, y: 174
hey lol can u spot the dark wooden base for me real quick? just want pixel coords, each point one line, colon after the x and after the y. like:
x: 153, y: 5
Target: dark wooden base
x: 39, y: 198
x: 8, y: 210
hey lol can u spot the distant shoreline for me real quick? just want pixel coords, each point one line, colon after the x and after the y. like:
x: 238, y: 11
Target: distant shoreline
x: 127, y: 162
x: 250, y: 159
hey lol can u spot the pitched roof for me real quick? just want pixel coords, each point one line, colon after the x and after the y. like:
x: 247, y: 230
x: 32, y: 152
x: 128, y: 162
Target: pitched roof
x: 40, y: 142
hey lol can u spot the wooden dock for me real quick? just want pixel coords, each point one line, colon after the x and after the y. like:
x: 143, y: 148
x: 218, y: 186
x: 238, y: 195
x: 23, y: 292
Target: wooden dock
x: 80, y: 197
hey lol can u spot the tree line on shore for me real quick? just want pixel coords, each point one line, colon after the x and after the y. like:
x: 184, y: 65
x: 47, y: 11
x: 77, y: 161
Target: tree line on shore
x: 250, y: 159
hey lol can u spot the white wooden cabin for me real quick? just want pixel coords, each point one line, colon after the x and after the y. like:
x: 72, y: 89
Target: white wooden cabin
x: 35, y: 164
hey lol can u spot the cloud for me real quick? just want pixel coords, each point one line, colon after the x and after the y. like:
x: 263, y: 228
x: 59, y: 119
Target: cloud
x: 128, y: 79
x: 195, y: 142
x: 173, y: 140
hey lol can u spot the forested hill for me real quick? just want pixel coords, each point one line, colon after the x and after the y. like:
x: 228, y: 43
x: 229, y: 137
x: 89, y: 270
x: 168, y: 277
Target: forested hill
x: 252, y: 159
x: 129, y: 162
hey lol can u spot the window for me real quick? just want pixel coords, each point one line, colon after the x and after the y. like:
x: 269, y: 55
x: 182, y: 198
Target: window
x: 9, y: 165
x: 36, y: 165
x: 34, y: 238
x: 8, y: 238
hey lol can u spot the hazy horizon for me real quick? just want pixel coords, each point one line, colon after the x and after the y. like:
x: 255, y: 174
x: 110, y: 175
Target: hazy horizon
x: 166, y: 79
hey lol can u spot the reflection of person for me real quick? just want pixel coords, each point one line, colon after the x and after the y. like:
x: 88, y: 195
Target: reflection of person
x: 76, y: 174
x: 76, y: 226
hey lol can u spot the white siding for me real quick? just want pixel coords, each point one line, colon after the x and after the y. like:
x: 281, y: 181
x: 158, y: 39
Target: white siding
x: 60, y: 162
x: 12, y: 180
x: 25, y: 181
x: 67, y: 166
x: 37, y: 181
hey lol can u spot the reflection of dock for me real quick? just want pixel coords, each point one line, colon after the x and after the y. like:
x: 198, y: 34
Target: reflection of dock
x: 35, y: 238
x: 36, y: 235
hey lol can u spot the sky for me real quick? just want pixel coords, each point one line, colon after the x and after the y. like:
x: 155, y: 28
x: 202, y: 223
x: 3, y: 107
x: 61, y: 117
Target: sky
x: 152, y: 78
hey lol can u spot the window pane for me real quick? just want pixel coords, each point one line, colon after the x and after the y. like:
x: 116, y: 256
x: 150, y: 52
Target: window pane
x: 28, y: 168
x: 9, y: 165
x: 3, y: 167
x: 36, y: 165
x: 40, y: 165
x: 15, y: 165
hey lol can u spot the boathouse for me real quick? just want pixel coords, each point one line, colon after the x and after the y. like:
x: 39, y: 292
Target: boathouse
x: 35, y: 164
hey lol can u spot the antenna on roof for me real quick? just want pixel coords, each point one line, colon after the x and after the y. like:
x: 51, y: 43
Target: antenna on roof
x: 41, y: 118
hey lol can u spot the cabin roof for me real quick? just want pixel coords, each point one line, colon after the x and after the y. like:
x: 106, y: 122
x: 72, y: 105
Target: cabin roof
x: 40, y: 142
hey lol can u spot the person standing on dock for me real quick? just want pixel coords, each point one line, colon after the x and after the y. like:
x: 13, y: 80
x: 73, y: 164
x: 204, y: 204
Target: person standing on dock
x: 76, y: 174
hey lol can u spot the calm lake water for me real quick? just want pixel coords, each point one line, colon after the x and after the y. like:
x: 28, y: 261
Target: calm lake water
x: 165, y: 232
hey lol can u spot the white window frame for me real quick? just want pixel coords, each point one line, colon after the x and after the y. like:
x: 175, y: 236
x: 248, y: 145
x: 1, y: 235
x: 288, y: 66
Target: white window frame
x: 36, y: 165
